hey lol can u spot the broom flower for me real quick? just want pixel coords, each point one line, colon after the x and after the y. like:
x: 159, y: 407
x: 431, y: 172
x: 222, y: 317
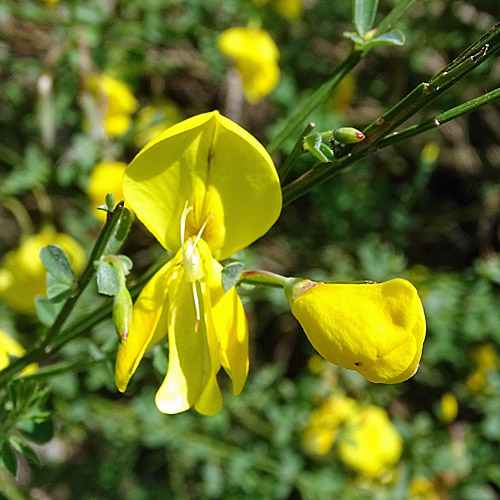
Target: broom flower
x: 205, y: 188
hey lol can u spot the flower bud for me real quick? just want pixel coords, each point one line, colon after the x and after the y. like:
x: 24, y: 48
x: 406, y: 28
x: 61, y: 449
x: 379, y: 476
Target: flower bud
x: 122, y: 313
x: 375, y: 329
x: 348, y: 135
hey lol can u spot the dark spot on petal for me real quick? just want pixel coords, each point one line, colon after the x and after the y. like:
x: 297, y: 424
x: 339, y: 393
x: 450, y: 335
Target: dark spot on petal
x: 359, y: 363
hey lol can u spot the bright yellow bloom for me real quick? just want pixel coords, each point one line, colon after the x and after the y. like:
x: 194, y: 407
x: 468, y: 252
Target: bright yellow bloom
x: 205, y: 188
x: 11, y: 347
x: 370, y: 444
x: 448, y: 408
x: 22, y: 276
x: 114, y: 101
x: 421, y: 488
x: 106, y: 177
x: 151, y: 121
x: 323, y: 427
x: 256, y: 58
x: 375, y: 329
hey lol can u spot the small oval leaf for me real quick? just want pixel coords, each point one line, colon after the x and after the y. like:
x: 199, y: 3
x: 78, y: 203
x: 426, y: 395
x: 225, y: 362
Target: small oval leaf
x: 108, y: 282
x: 364, y: 15
x: 57, y: 264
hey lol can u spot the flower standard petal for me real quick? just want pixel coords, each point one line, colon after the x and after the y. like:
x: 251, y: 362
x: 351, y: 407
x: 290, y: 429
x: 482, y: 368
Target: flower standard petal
x: 148, y: 315
x: 222, y: 171
x: 377, y: 330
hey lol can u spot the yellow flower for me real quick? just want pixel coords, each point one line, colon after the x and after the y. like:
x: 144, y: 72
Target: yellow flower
x: 370, y: 444
x: 106, y: 177
x: 11, y: 347
x: 486, y: 357
x: 256, y: 58
x: 205, y: 188
x: 22, y: 276
x: 421, y: 488
x: 322, y: 429
x: 153, y: 120
x: 289, y: 9
x: 114, y: 101
x: 375, y: 329
x: 448, y: 408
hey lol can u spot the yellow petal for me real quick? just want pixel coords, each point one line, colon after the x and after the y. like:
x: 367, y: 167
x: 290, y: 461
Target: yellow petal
x: 220, y: 170
x: 9, y: 346
x: 210, y: 401
x: 377, y: 330
x: 259, y: 78
x: 248, y: 43
x: 189, y: 367
x: 371, y: 444
x: 231, y: 328
x: 149, y: 322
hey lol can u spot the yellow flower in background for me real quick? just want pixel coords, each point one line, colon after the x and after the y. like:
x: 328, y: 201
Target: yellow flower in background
x: 375, y: 329
x: 289, y: 9
x: 323, y: 427
x: 486, y: 359
x: 106, y: 177
x: 370, y: 444
x: 151, y: 121
x: 115, y: 103
x: 448, y: 408
x: 205, y: 188
x: 255, y: 57
x: 421, y: 488
x: 343, y: 94
x: 11, y: 347
x: 22, y: 276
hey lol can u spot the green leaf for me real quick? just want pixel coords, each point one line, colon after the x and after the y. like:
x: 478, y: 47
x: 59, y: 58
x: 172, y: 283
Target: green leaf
x: 231, y: 275
x: 46, y: 310
x: 395, y: 37
x: 108, y: 281
x: 26, y: 450
x: 40, y: 432
x: 57, y: 291
x: 57, y: 264
x: 127, y: 264
x: 120, y: 233
x: 9, y: 458
x: 364, y: 15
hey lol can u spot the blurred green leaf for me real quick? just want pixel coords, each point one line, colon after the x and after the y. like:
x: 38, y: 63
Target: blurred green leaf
x: 56, y: 262
x: 120, y: 233
x: 9, y: 458
x: 38, y: 432
x: 231, y: 274
x: 108, y: 282
x: 57, y: 291
x: 46, y: 310
x: 364, y: 15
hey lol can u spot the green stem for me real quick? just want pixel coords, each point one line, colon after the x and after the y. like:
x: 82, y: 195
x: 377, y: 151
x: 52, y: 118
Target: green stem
x: 439, y: 119
x: 418, y: 98
x: 262, y: 278
x: 85, y: 277
x: 324, y: 91
x: 315, y: 100
x: 297, y: 150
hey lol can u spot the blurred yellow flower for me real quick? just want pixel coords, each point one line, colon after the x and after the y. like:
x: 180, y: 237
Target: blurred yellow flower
x: 375, y: 329
x: 289, y: 9
x: 114, y: 101
x: 343, y: 94
x: 322, y: 428
x: 106, y: 177
x: 11, y: 347
x: 486, y: 357
x: 448, y: 408
x: 421, y: 488
x: 205, y: 188
x: 255, y: 57
x: 22, y: 276
x: 370, y: 444
x: 151, y: 121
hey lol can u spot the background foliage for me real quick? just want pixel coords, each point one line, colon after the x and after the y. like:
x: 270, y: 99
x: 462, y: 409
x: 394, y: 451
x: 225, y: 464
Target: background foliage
x: 426, y: 209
